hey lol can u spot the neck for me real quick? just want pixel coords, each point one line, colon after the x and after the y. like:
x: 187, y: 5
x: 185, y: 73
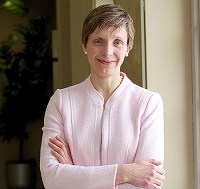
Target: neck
x: 106, y: 86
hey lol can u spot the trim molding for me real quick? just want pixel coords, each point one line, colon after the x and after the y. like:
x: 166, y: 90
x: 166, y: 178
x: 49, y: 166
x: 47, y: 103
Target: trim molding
x: 195, y: 27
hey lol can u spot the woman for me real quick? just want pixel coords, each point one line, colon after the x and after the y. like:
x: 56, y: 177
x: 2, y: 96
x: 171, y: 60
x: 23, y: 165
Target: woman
x: 105, y: 132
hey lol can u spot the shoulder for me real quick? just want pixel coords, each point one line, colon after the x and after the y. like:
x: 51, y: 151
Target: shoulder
x: 150, y: 100
x: 65, y: 92
x: 139, y: 91
x: 64, y: 95
x: 148, y: 96
x: 61, y: 98
x: 142, y: 95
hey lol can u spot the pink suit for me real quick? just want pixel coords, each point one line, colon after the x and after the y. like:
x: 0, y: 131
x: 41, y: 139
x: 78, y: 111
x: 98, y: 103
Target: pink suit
x: 129, y: 128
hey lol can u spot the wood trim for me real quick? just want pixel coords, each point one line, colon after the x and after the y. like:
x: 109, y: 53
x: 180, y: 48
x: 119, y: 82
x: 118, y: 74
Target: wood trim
x: 195, y: 26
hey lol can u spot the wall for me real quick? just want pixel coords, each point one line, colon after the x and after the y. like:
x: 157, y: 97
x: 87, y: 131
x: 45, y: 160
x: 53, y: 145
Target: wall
x: 72, y: 66
x: 79, y: 64
x: 169, y: 73
x: 62, y: 66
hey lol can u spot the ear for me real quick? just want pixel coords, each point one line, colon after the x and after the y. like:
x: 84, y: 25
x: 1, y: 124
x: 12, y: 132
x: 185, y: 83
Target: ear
x: 84, y: 48
x: 127, y: 53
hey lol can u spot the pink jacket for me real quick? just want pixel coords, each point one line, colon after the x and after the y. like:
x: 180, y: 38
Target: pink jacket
x: 128, y: 129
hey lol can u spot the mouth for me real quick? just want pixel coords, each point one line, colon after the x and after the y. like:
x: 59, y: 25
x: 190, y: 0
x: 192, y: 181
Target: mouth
x: 106, y: 62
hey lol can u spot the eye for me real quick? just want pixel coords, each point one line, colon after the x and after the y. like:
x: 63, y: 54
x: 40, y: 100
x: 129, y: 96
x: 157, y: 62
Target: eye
x: 118, y: 42
x: 98, y: 42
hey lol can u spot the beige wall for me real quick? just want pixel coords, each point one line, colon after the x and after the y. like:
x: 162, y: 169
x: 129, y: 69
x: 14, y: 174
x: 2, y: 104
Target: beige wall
x: 169, y: 73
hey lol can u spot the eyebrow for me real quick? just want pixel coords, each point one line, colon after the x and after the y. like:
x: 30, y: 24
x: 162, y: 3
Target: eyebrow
x: 115, y: 38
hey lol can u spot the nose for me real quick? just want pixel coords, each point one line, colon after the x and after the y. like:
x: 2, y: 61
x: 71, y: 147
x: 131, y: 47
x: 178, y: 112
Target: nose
x: 107, y: 49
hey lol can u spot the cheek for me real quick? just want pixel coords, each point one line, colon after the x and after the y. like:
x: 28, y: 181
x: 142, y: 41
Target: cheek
x: 121, y: 55
x: 92, y: 52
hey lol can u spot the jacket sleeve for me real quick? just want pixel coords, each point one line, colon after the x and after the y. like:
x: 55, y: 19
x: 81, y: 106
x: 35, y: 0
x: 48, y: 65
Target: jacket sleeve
x: 151, y: 142
x: 65, y: 176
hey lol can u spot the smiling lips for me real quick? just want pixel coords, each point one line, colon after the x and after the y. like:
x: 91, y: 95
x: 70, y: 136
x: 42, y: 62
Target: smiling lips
x: 107, y: 62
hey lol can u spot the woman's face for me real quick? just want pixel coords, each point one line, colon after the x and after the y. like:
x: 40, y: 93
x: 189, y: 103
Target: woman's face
x: 106, y: 49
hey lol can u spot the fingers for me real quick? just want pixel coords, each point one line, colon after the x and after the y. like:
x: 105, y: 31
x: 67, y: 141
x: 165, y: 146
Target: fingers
x: 60, y: 139
x: 57, y: 146
x: 154, y: 181
x: 158, y: 169
x: 60, y: 150
x: 155, y: 162
x: 62, y: 144
x: 158, y: 180
x: 59, y: 157
x: 146, y: 174
x: 158, y: 177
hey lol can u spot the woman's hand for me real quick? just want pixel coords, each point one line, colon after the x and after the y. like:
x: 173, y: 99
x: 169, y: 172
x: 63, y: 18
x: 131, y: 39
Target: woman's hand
x: 60, y: 150
x: 142, y: 174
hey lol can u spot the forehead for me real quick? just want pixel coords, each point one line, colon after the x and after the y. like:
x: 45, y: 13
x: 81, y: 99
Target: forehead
x: 111, y: 32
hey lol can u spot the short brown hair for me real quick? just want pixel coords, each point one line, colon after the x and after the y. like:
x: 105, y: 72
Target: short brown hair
x: 105, y: 16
